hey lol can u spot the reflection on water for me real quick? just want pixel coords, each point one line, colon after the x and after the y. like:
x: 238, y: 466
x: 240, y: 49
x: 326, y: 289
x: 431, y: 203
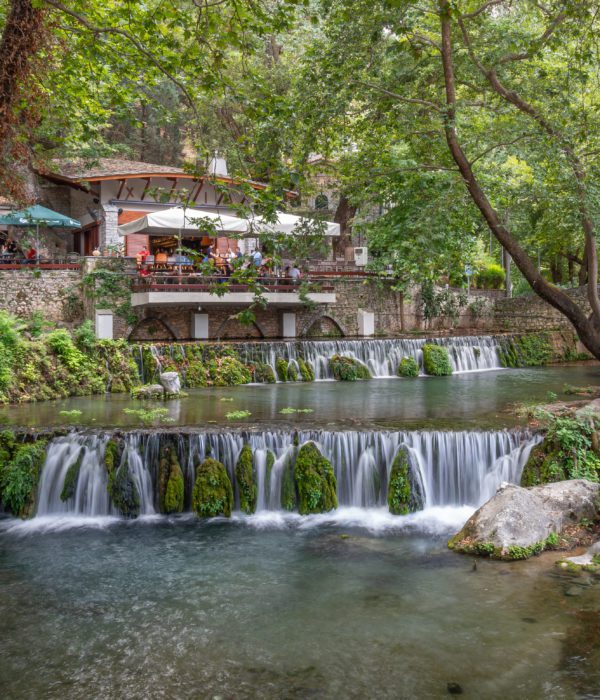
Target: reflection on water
x: 290, y: 608
x: 476, y: 400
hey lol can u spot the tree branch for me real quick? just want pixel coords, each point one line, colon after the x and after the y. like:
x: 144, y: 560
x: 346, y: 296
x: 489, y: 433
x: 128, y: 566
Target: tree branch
x: 401, y: 98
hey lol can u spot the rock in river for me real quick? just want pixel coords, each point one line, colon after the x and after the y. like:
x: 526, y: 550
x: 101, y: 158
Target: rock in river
x: 171, y: 382
x: 519, y: 522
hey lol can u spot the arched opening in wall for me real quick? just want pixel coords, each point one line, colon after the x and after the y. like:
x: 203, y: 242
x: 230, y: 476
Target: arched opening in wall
x: 232, y: 329
x: 321, y: 201
x: 153, y: 329
x: 324, y: 327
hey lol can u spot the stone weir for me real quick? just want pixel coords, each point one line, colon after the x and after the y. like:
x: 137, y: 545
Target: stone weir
x: 381, y: 357
x: 213, y: 473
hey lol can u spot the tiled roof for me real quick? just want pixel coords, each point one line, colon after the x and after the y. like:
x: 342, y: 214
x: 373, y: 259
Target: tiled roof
x: 80, y: 169
x: 4, y: 202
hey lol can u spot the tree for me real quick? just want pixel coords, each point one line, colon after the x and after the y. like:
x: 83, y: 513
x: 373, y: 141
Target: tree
x: 499, y: 98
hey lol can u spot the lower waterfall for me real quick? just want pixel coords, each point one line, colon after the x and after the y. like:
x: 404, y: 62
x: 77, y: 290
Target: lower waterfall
x: 462, y: 468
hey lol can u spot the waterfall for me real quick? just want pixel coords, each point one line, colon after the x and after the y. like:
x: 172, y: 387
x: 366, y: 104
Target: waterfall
x: 452, y: 468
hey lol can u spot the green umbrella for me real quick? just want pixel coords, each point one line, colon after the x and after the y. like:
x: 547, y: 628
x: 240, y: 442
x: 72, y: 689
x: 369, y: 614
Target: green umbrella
x: 37, y: 216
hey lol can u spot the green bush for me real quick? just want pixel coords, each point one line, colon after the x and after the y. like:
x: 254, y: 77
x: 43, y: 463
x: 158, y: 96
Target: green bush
x: 292, y: 373
x: 408, y: 367
x: 490, y: 277
x: 85, y: 337
x: 281, y: 366
x: 196, y: 375
x: 19, y: 473
x: 436, y: 361
x: 264, y: 374
x: 347, y: 369
x: 228, y: 371
x: 244, y: 475
x: 315, y: 481
x: 212, y: 494
x: 401, y: 497
x: 307, y: 371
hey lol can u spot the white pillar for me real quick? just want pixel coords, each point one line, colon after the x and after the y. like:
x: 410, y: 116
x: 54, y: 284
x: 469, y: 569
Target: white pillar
x: 104, y: 324
x: 200, y: 326
x: 366, y: 323
x: 288, y: 325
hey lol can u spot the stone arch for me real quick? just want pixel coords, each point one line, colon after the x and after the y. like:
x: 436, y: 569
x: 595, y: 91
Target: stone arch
x: 152, y: 328
x: 323, y: 326
x: 232, y: 329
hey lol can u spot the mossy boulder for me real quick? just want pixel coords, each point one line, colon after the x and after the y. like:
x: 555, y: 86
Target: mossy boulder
x: 292, y: 373
x: 544, y: 466
x: 20, y: 468
x: 436, y: 361
x: 72, y: 477
x: 289, y: 497
x: 212, y: 494
x: 228, y: 371
x: 244, y: 475
x: 281, y: 366
x: 307, y: 371
x: 123, y: 491
x: 527, y: 350
x: 347, y: 369
x: 315, y: 481
x: 171, y: 485
x: 408, y: 367
x: 263, y: 374
x: 404, y: 490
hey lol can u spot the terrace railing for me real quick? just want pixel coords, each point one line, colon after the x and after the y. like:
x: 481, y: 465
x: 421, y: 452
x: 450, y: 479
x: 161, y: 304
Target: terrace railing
x: 203, y: 283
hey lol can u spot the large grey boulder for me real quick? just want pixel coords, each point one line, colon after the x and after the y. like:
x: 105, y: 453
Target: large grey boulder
x: 517, y: 522
x: 170, y: 382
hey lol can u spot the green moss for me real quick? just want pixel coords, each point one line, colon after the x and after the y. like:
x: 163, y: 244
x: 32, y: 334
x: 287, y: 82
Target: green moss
x: 315, y: 481
x: 123, y: 491
x: 175, y: 491
x: 408, y: 367
x: 403, y: 495
x: 436, y: 361
x: 528, y: 350
x: 228, y: 371
x: 281, y: 367
x: 196, y: 375
x: 244, y: 475
x: 171, y: 485
x: 112, y: 455
x: 307, y: 371
x: 292, y: 373
x: 212, y: 494
x: 289, y: 497
x: 347, y: 369
x: 71, y: 477
x: 269, y: 469
x: 264, y: 374
x: 19, y: 475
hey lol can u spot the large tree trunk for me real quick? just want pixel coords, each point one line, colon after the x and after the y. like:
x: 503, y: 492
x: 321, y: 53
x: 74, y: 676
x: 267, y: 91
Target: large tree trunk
x: 588, y: 328
x: 344, y: 214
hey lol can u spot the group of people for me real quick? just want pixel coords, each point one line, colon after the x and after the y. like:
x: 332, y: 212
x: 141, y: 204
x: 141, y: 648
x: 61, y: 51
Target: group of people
x: 11, y: 251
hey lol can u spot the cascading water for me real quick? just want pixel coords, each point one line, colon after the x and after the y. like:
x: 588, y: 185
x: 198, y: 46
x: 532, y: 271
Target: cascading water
x: 452, y: 468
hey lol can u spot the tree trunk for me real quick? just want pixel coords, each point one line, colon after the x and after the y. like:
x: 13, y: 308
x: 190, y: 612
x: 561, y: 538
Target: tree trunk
x: 588, y: 329
x: 344, y: 214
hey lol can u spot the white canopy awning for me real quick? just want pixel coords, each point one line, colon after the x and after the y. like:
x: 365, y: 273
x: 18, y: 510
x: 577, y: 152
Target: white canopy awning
x: 176, y: 219
x: 190, y: 222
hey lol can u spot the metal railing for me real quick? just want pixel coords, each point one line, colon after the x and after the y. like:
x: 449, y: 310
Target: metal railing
x: 202, y: 283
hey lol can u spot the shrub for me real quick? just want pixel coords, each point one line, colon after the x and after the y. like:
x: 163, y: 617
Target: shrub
x: 244, y: 475
x: 436, y: 361
x: 281, y: 366
x: 264, y: 374
x: 85, y: 337
x: 212, y: 494
x: 19, y: 474
x: 401, y: 499
x: 315, y: 481
x: 490, y: 277
x: 408, y: 367
x: 228, y: 371
x: 307, y: 371
x: 347, y: 369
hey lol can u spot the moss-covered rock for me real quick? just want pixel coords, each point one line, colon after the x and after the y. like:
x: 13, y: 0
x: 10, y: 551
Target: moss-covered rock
x: 281, y: 366
x: 436, y: 361
x: 212, y: 494
x: 307, y: 371
x: 228, y: 371
x: 20, y: 469
x: 292, y: 373
x: 527, y: 350
x: 269, y: 469
x: 263, y: 374
x: 122, y: 490
x: 244, y: 475
x: 315, y: 481
x: 171, y: 486
x: 289, y: 497
x: 404, y: 492
x: 408, y: 367
x: 71, y: 477
x: 347, y: 369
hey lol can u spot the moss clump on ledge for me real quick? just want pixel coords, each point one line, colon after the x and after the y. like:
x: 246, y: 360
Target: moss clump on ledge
x: 212, y: 494
x: 20, y: 468
x: 244, y: 475
x: 315, y: 481
x: 436, y: 361
x: 510, y: 553
x: 408, y: 367
x: 528, y: 350
x: 347, y: 369
x: 404, y: 496
x: 171, y: 486
x: 307, y: 371
x: 263, y: 374
x: 71, y: 477
x: 281, y: 367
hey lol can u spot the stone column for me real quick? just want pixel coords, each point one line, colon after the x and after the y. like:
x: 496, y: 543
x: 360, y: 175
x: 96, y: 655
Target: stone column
x: 366, y: 323
x: 288, y: 325
x: 109, y: 222
x: 200, y: 326
x: 104, y: 324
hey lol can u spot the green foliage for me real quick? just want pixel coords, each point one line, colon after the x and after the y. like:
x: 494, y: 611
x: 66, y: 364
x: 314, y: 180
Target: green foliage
x: 85, y: 337
x: 196, y: 375
x: 264, y: 374
x: 307, y: 371
x: 212, y: 494
x: 244, y: 475
x: 315, y: 481
x: 401, y: 499
x: 20, y: 467
x: 37, y: 324
x: 171, y: 485
x: 289, y: 410
x: 71, y: 477
x: 289, y: 496
x: 110, y: 288
x: 408, y: 367
x: 228, y: 371
x: 281, y: 366
x: 347, y: 369
x: 71, y: 415
x: 292, y: 373
x: 236, y: 415
x: 528, y: 350
x: 490, y: 276
x: 149, y: 416
x: 174, y: 495
x: 123, y: 491
x: 436, y: 361
x: 443, y: 303
x: 569, y: 451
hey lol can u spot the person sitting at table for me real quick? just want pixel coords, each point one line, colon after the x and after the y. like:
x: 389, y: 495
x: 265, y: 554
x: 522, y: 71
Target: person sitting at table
x: 31, y: 254
x: 11, y: 247
x: 295, y: 274
x: 161, y: 258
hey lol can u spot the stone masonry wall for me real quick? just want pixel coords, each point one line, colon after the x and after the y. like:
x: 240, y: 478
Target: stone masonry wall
x: 54, y: 293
